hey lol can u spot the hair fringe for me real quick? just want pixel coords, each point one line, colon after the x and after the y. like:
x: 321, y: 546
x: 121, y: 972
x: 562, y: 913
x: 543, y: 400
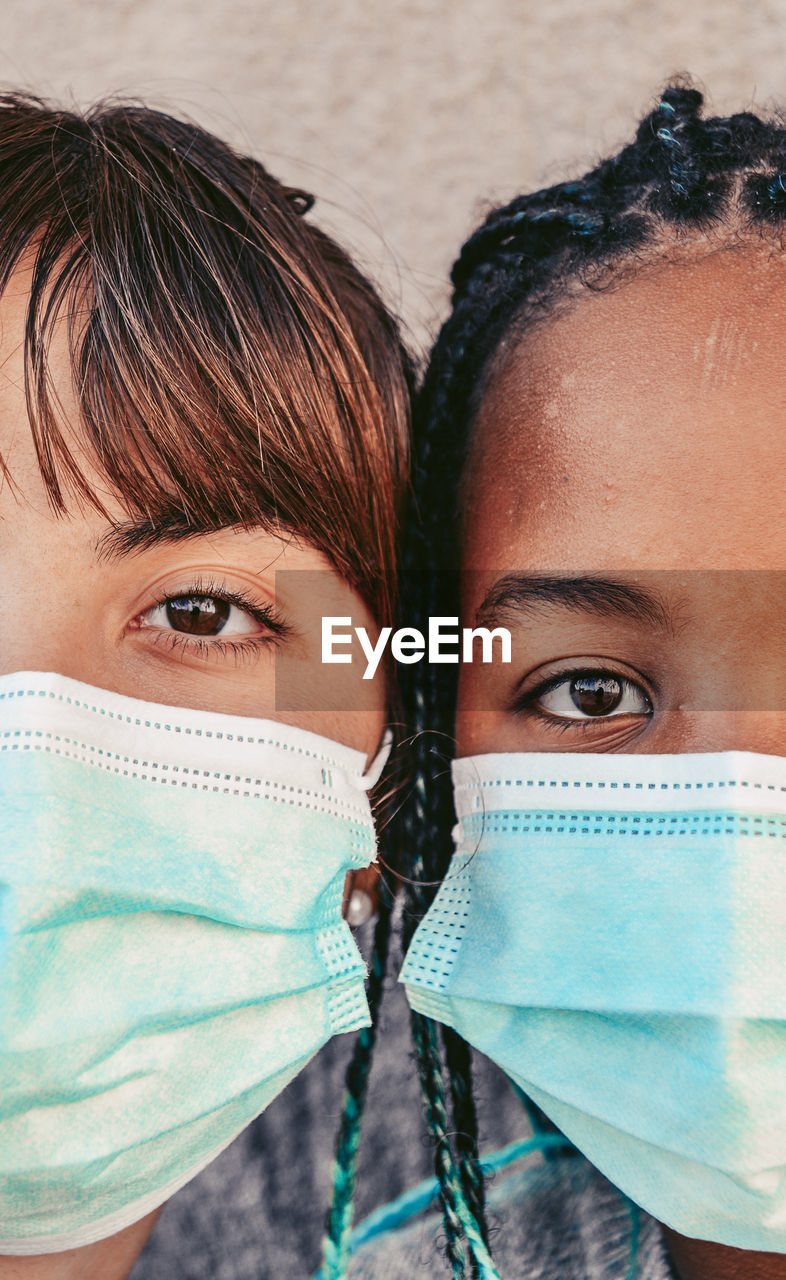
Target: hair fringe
x: 210, y: 326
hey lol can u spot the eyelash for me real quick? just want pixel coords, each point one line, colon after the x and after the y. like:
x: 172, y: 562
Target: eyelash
x: 243, y: 648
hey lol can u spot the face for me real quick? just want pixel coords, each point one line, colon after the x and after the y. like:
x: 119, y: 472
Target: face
x: 207, y: 621
x: 625, y: 519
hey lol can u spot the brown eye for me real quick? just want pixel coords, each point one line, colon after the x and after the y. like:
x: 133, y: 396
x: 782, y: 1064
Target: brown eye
x: 591, y: 695
x: 197, y: 615
x: 596, y: 695
x: 202, y: 615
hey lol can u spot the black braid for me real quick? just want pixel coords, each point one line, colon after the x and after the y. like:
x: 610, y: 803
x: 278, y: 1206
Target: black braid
x: 335, y: 1244
x: 684, y: 179
x: 430, y: 1072
x: 458, y: 1062
x: 429, y: 810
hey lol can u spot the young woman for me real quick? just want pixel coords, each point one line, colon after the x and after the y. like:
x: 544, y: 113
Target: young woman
x: 601, y: 446
x: 203, y: 434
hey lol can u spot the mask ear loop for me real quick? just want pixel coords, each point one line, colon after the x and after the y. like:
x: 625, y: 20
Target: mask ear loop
x: 373, y: 773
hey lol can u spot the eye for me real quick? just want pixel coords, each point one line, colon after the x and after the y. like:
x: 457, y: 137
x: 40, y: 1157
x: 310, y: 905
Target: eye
x: 201, y: 615
x: 591, y: 695
x: 208, y: 619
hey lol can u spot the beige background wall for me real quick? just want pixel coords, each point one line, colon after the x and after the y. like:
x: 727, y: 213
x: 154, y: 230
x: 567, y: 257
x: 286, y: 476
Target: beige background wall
x: 404, y: 116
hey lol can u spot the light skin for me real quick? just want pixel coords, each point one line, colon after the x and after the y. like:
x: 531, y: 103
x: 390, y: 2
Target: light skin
x: 632, y: 449
x: 206, y: 621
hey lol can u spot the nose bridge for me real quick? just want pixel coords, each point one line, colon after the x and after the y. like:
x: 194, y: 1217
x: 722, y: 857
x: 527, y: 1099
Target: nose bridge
x: 749, y: 678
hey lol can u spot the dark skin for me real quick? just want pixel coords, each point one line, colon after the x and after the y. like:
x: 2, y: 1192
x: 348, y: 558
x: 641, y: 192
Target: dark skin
x: 638, y: 437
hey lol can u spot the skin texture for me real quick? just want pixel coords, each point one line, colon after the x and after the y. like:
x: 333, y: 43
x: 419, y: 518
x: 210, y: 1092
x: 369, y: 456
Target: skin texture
x: 110, y: 1259
x: 94, y: 617
x: 638, y: 437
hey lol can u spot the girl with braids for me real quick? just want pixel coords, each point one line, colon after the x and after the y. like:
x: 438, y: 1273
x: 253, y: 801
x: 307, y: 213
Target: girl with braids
x: 600, y: 445
x: 203, y: 441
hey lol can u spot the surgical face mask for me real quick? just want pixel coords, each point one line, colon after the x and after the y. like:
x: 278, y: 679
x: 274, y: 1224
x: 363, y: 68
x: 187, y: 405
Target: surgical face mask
x: 612, y: 932
x: 172, y: 951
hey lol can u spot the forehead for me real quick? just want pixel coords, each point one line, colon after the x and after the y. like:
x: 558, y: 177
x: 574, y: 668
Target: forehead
x: 643, y: 428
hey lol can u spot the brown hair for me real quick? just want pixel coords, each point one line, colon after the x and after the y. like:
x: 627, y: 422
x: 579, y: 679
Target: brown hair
x: 232, y: 366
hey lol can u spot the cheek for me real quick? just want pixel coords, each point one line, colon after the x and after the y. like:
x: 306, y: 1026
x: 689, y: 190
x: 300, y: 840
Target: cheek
x: 53, y: 614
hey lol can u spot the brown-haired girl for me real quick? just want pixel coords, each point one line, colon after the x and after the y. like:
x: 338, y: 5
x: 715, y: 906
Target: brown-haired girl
x: 203, y: 434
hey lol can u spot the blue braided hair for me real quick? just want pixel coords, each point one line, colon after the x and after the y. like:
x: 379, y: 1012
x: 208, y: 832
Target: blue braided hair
x: 684, y: 178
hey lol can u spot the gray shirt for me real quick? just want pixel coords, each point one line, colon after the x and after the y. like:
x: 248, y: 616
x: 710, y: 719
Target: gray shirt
x: 559, y: 1219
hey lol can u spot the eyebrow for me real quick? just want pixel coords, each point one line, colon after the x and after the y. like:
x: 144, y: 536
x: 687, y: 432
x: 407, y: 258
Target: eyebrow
x: 127, y: 537
x: 604, y: 597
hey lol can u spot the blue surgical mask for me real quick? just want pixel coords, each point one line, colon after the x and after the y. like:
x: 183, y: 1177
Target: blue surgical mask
x: 612, y: 932
x: 172, y: 951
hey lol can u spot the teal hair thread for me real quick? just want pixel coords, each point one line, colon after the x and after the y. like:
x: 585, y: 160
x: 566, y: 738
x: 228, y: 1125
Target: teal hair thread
x: 633, y: 1210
